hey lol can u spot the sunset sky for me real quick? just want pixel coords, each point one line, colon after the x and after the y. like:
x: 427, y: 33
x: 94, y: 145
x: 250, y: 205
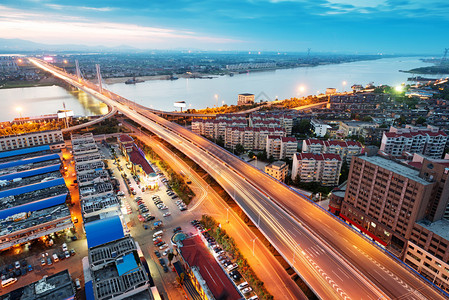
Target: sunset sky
x: 348, y: 26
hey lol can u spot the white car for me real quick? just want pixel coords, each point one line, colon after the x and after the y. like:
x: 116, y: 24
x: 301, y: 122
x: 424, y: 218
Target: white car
x: 253, y: 298
x: 243, y: 285
x: 64, y: 247
x: 164, y: 207
x: 232, y: 267
x: 163, y: 247
x: 166, y: 214
x: 247, y: 290
x: 165, y: 252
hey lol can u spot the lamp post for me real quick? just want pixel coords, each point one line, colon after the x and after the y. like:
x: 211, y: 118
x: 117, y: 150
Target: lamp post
x: 255, y: 157
x: 216, y: 98
x: 254, y: 240
x: 19, y: 110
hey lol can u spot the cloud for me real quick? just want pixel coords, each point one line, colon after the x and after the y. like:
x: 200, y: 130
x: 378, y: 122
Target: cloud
x: 55, y: 28
x: 71, y: 7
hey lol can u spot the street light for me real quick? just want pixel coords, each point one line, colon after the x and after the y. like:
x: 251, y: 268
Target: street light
x: 254, y: 240
x: 19, y: 110
x: 216, y: 98
x: 255, y: 157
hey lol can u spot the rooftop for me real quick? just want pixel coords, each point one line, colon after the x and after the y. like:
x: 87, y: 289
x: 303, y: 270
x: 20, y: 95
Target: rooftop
x: 196, y: 254
x: 29, y: 176
x: 95, y: 231
x: 33, y: 214
x: 56, y: 286
x: 99, y: 203
x: 23, y: 151
x: 138, y: 158
x: 395, y: 167
x: 440, y: 227
x: 277, y: 164
x: 28, y: 163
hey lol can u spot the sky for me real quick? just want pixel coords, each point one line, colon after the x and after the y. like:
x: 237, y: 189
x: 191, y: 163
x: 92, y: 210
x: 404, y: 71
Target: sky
x: 337, y: 26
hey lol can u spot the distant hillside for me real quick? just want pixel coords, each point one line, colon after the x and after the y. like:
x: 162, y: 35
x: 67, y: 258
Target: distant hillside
x: 18, y: 45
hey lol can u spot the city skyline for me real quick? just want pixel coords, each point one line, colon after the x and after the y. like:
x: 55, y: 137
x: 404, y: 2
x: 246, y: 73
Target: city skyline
x: 340, y: 26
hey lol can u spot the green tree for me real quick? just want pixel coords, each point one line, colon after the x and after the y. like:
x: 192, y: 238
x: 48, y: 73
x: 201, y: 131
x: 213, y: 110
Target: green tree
x: 170, y: 257
x: 344, y: 173
x: 239, y: 149
x: 420, y: 120
x: 303, y: 127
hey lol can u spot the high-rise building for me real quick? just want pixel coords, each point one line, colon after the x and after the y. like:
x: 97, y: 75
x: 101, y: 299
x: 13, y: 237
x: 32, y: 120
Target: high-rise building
x: 384, y: 199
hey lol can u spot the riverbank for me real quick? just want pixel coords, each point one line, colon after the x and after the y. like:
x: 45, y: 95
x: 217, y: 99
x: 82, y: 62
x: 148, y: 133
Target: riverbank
x: 114, y: 80
x: 48, y: 81
x: 432, y: 70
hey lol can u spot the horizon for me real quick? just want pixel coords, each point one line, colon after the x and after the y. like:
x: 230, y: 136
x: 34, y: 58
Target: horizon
x: 389, y: 27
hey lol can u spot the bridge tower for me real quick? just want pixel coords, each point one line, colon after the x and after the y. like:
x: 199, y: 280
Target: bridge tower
x: 99, y: 79
x: 78, y: 72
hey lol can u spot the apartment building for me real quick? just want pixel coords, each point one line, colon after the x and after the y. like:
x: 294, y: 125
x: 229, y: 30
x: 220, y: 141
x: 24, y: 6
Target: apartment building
x: 429, y: 141
x: 323, y: 168
x: 404, y: 208
x: 346, y: 149
x: 355, y: 128
x: 277, y: 170
x: 384, y: 199
x: 281, y: 147
x: 50, y: 137
x: 358, y: 101
x: 245, y: 99
x: 249, y: 137
x: 319, y: 127
x: 216, y: 128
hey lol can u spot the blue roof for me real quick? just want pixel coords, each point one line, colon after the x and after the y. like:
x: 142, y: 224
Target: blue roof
x: 89, y: 290
x: 103, y: 231
x: 32, y: 172
x: 27, y: 161
x: 33, y: 206
x: 128, y: 264
x: 31, y: 187
x: 24, y: 151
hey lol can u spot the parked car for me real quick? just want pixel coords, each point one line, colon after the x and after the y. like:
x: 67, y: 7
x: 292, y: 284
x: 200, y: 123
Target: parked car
x: 67, y: 254
x: 43, y: 262
x: 177, y: 229
x: 77, y: 284
x: 49, y: 262
x: 232, y: 267
x: 17, y: 265
x: 64, y: 247
x: 165, y: 268
x: 157, y: 253
x: 166, y: 214
x: 72, y: 252
x: 243, y: 285
x: 247, y: 290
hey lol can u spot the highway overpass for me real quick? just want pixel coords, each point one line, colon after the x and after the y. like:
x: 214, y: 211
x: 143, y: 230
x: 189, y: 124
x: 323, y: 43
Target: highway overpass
x: 335, y: 261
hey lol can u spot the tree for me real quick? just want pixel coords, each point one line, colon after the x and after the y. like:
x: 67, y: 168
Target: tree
x: 239, y: 149
x: 170, y: 257
x: 344, y: 173
x: 250, y: 154
x: 303, y: 127
x: 420, y: 120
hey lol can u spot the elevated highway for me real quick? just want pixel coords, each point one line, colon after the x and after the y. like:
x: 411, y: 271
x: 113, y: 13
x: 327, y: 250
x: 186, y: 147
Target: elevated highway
x: 335, y: 261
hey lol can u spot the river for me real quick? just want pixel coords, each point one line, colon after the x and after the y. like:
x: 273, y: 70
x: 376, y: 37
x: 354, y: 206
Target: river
x: 202, y: 93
